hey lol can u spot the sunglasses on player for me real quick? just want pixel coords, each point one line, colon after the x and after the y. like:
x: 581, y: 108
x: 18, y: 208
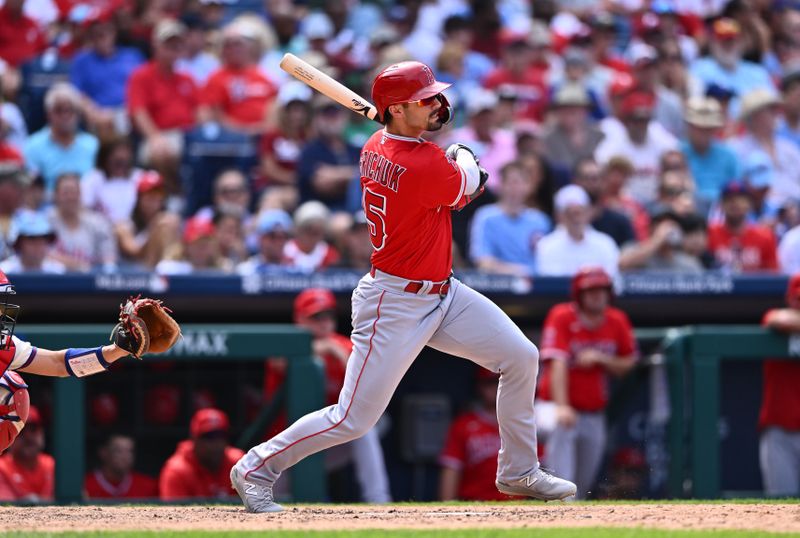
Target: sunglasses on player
x: 427, y: 101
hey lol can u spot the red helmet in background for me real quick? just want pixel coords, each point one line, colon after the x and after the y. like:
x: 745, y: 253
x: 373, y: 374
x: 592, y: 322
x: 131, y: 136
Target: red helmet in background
x: 406, y: 82
x: 589, y: 278
x: 793, y: 289
x: 313, y: 301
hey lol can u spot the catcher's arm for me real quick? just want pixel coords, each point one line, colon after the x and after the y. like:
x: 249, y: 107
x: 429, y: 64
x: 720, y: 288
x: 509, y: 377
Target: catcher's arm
x: 53, y: 363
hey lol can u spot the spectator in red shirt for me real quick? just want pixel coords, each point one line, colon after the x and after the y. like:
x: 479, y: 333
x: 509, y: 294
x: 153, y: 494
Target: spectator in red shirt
x: 779, y: 420
x: 26, y: 472
x: 582, y: 342
x: 469, y: 457
x: 238, y: 95
x: 115, y: 477
x: 162, y: 102
x: 21, y: 38
x: 200, y: 467
x: 738, y: 245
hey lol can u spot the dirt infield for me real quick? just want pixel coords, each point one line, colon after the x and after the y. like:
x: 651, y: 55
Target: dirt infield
x: 759, y: 517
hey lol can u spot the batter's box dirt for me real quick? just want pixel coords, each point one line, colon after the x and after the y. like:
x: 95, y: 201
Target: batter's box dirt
x: 771, y: 517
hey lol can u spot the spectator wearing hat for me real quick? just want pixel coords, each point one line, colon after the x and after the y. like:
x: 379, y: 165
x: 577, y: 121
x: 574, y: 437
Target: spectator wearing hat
x: 84, y: 238
x: 504, y: 235
x: 711, y: 162
x: 725, y: 66
x: 759, y: 112
x: 101, y: 72
x: 238, y: 95
x: 200, y: 251
x: 646, y: 70
x: 328, y: 164
x: 603, y: 40
x: 571, y: 137
x: 640, y: 143
x: 308, y: 251
x: 620, y: 86
x: 737, y: 245
x: 161, y: 101
x: 196, y: 61
x: 576, y: 73
x: 27, y: 474
x: 663, y: 250
x: 789, y: 123
x: 151, y: 231
x: 32, y: 238
x: 517, y: 73
x: 274, y: 228
x: 469, y: 457
x: 12, y: 184
x: 110, y: 188
x: 280, y: 147
x: 115, y: 477
x: 21, y: 37
x: 574, y: 243
x: 60, y: 146
x: 588, y: 176
x: 492, y: 144
x: 201, y: 465
x: 779, y: 418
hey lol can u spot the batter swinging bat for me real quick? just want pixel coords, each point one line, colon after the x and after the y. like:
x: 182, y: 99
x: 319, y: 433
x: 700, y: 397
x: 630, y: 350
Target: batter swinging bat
x: 308, y: 74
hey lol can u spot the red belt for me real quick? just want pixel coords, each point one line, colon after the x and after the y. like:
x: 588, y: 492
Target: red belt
x: 440, y: 288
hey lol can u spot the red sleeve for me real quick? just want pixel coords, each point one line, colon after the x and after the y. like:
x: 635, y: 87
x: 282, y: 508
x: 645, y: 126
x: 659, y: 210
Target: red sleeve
x: 555, y: 334
x: 214, y: 92
x: 331, y: 257
x: 769, y: 251
x: 453, y: 453
x: 626, y: 340
x: 443, y: 182
x: 174, y: 484
x: 137, y: 91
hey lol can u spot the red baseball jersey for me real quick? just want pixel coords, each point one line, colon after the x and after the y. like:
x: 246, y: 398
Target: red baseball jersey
x: 409, y: 187
x: 133, y: 486
x: 242, y: 94
x: 22, y: 483
x: 473, y: 442
x: 564, y: 335
x: 780, y: 399
x: 754, y: 249
x: 170, y: 99
x: 182, y: 477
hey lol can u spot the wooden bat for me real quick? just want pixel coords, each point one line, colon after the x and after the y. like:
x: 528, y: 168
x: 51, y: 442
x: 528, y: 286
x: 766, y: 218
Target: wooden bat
x: 308, y: 74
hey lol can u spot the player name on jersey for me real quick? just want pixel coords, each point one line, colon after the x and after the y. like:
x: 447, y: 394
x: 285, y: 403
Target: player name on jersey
x: 380, y: 169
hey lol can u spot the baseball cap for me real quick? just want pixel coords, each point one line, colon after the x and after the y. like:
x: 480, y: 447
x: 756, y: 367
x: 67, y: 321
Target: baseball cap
x: 757, y: 100
x: 167, y: 29
x: 704, y: 112
x: 571, y: 195
x: 642, y: 55
x: 313, y: 301
x: 481, y: 99
x: 647, y: 23
x: 735, y: 188
x: 317, y: 25
x: 759, y: 170
x: 311, y: 211
x: 149, y: 181
x: 571, y: 95
x: 725, y: 28
x: 30, y: 224
x: 197, y: 228
x: 638, y: 104
x: 208, y: 420
x: 621, y: 84
x: 294, y: 90
x: 274, y: 219
x: 719, y: 91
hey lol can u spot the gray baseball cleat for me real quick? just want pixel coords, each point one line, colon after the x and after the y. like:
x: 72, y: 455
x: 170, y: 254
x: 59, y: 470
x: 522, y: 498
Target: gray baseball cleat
x: 540, y: 484
x: 256, y: 497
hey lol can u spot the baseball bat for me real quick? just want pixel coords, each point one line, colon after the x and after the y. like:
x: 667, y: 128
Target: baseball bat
x: 308, y: 74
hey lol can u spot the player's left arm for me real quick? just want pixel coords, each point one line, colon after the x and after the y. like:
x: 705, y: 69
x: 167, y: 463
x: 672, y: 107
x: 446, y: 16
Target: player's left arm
x: 54, y: 363
x: 474, y: 175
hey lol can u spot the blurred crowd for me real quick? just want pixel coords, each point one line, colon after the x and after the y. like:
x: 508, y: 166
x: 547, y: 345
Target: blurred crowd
x: 161, y: 135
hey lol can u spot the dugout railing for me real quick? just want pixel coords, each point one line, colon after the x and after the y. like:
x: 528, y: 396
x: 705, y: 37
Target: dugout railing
x: 303, y: 390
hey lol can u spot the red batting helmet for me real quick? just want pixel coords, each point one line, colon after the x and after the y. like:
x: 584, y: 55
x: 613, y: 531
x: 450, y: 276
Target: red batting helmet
x: 793, y: 289
x: 589, y: 278
x: 313, y: 301
x: 406, y: 82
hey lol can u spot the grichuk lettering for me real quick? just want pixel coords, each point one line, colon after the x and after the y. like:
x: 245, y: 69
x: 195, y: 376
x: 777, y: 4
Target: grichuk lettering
x: 381, y: 170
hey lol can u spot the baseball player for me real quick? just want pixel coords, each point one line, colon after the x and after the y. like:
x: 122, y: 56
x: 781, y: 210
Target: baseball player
x: 583, y: 341
x: 409, y: 299
x: 17, y: 355
x: 779, y: 419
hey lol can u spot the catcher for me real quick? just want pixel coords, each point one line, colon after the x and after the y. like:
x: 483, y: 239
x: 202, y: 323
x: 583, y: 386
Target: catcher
x: 144, y: 327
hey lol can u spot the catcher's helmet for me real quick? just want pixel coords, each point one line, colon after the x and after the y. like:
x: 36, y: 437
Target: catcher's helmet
x: 8, y: 312
x: 313, y: 301
x: 590, y: 278
x: 406, y: 82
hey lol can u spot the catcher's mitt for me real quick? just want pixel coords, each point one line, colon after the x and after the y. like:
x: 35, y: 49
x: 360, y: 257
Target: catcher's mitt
x: 145, y: 326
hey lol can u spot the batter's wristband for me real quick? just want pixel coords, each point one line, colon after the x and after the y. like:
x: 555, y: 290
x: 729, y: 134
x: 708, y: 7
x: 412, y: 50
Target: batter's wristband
x: 81, y: 362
